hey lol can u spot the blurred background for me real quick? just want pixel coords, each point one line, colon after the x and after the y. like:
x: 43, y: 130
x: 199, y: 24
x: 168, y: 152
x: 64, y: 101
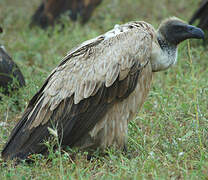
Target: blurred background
x: 34, y: 46
x: 176, y: 106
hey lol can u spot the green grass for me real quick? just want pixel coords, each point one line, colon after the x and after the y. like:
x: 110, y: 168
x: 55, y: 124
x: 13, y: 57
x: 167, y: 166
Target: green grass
x: 167, y: 140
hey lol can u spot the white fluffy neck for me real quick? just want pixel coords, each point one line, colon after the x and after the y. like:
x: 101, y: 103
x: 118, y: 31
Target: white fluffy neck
x: 163, y: 55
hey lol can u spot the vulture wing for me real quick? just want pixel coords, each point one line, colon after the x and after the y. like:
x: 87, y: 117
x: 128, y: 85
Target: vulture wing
x: 79, y: 92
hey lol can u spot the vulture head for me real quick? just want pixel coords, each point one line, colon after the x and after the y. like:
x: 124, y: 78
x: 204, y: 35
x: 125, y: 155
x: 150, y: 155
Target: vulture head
x: 170, y: 33
x: 174, y: 31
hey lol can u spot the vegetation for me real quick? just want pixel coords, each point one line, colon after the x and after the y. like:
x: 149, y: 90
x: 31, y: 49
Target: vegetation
x: 167, y: 140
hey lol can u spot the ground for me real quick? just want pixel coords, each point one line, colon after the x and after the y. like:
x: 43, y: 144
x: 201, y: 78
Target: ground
x: 167, y: 139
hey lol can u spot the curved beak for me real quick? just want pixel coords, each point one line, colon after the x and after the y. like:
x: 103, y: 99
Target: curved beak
x: 195, y: 32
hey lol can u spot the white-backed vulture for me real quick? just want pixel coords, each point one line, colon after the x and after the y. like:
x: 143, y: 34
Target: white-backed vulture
x: 98, y: 88
x: 49, y: 10
x: 8, y: 72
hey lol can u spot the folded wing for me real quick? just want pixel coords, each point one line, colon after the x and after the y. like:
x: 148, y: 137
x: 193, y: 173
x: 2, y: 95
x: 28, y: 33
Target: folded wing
x: 79, y: 92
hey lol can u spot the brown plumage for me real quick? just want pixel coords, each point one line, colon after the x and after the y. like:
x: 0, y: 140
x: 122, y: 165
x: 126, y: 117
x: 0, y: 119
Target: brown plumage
x: 201, y: 14
x: 98, y: 88
x: 50, y: 10
x: 11, y: 77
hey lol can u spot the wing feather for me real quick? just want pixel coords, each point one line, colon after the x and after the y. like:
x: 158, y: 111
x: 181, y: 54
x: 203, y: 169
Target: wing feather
x: 89, y: 88
x: 79, y: 92
x: 112, y: 74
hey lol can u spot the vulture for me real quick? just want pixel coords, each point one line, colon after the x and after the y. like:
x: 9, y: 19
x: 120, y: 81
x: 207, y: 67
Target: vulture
x: 11, y: 77
x: 50, y: 10
x: 97, y: 88
x: 202, y: 15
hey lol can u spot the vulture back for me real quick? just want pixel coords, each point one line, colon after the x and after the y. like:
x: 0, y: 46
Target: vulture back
x: 50, y: 10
